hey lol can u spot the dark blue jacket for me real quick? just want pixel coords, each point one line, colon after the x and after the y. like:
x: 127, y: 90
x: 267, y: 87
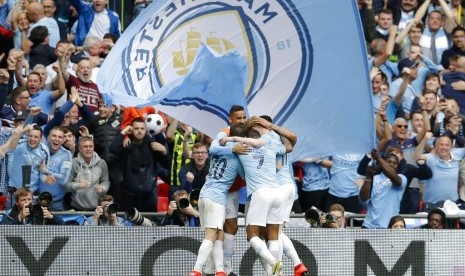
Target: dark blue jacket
x: 451, y: 93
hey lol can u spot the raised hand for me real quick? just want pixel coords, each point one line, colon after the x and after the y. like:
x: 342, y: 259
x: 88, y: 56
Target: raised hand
x: 264, y: 123
x: 4, y: 76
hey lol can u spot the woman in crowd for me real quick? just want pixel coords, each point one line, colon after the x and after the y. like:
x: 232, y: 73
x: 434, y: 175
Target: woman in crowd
x: 20, y: 25
x: 397, y: 222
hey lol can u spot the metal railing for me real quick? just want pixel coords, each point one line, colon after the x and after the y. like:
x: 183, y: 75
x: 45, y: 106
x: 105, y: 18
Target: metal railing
x: 348, y: 217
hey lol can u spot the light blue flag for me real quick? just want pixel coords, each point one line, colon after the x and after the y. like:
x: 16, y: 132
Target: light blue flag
x: 214, y: 84
x: 306, y: 67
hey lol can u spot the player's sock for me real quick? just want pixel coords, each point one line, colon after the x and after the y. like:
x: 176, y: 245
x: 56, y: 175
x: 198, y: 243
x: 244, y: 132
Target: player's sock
x: 273, y: 246
x: 289, y: 249
x: 260, y: 248
x: 203, y: 254
x: 266, y: 266
x: 209, y: 266
x: 228, y: 252
x: 217, y: 254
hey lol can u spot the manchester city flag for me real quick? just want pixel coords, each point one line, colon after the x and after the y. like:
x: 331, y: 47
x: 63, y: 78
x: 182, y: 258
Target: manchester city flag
x: 301, y: 62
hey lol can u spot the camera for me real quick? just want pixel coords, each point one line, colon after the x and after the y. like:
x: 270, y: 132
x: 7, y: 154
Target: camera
x: 44, y: 199
x: 313, y: 216
x: 194, y: 200
x: 183, y: 203
x: 109, y: 209
x: 133, y: 215
x: 330, y: 218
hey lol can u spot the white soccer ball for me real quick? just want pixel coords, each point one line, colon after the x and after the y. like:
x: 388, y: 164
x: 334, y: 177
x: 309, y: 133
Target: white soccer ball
x: 154, y: 123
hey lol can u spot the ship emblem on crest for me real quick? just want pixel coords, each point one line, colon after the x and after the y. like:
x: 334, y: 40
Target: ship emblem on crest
x: 183, y: 58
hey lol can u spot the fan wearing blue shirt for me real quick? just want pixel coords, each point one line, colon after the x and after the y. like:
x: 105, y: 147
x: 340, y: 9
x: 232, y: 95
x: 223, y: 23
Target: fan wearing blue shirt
x: 382, y: 192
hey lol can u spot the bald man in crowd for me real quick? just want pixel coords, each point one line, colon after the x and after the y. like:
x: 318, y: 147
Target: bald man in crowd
x: 36, y: 15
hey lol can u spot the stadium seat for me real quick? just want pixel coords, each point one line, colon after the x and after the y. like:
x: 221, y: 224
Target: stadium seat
x: 163, y: 190
x: 162, y: 205
x: 2, y: 202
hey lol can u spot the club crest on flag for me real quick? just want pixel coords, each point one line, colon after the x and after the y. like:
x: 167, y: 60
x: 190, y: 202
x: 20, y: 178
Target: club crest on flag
x: 183, y: 43
x: 165, y: 47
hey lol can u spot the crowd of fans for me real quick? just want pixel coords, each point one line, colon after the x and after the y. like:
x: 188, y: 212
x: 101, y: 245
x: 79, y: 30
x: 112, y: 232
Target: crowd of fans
x: 82, y: 147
